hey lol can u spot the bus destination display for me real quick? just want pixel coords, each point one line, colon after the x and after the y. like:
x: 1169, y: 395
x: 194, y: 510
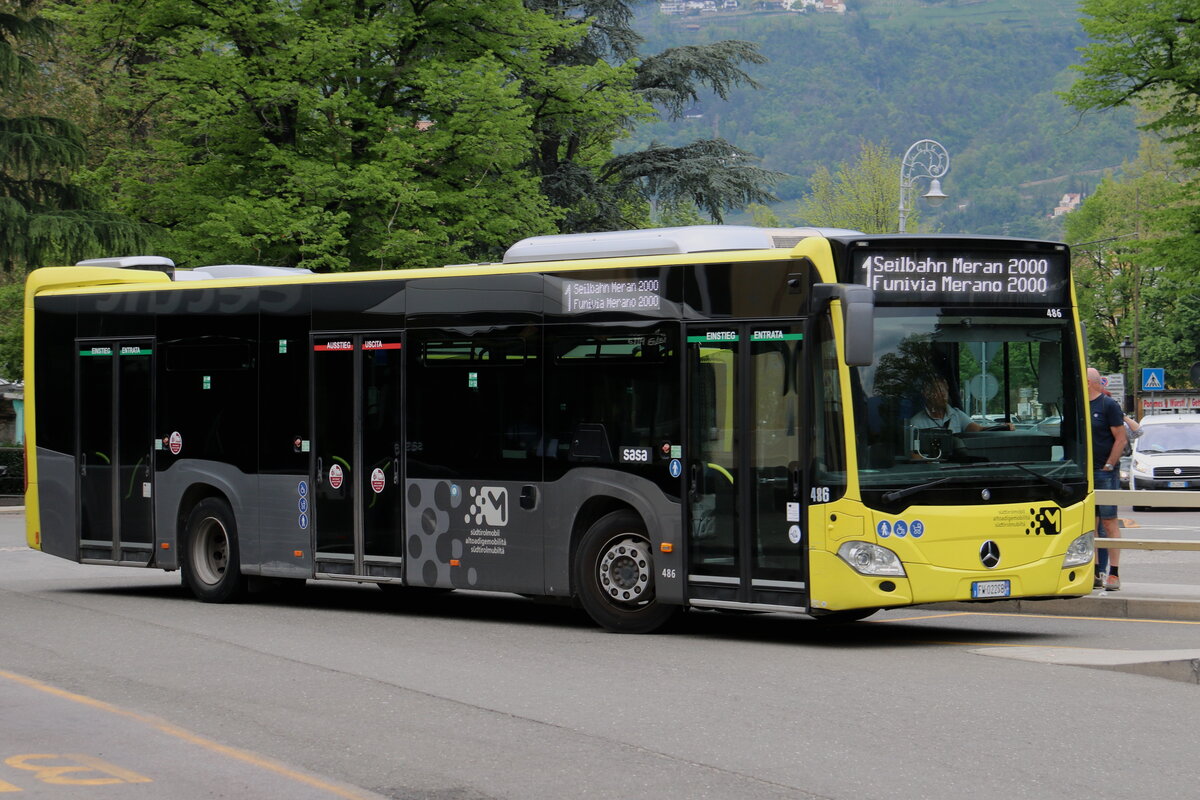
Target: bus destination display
x: 615, y: 295
x: 1026, y: 278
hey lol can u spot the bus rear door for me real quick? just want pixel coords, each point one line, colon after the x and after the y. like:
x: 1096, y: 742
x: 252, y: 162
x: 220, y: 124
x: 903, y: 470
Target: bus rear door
x: 357, y: 447
x: 114, y: 408
x: 745, y: 532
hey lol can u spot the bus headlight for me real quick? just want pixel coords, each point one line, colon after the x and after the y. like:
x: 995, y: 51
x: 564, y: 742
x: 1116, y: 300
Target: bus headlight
x: 1081, y: 551
x: 870, y: 559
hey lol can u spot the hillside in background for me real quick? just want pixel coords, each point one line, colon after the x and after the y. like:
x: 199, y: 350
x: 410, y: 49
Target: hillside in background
x: 978, y: 77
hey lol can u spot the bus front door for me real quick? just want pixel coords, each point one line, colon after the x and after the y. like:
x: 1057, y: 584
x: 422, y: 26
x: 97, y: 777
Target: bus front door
x: 745, y: 528
x: 114, y: 408
x: 357, y: 452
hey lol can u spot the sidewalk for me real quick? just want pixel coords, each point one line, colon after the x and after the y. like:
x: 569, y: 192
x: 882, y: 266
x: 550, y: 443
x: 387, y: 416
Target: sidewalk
x: 1166, y: 601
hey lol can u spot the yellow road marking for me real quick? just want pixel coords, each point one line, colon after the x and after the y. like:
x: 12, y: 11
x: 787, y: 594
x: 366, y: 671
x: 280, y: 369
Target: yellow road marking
x: 179, y: 733
x: 1040, y: 616
x: 58, y: 773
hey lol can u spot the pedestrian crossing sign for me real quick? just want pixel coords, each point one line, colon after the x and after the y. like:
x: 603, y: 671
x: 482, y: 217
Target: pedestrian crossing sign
x: 1154, y: 379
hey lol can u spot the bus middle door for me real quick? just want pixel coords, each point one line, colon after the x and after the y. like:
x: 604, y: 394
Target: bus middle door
x: 357, y: 448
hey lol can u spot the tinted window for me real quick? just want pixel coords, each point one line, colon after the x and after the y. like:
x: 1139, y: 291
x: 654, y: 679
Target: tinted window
x: 54, y: 362
x: 613, y: 399
x: 474, y: 405
x: 210, y: 402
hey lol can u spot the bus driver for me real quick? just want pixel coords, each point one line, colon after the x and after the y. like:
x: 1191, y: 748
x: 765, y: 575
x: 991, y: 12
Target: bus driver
x: 938, y: 413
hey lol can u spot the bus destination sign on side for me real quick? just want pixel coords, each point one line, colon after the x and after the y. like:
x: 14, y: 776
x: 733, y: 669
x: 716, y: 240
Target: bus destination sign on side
x: 616, y: 295
x: 989, y: 278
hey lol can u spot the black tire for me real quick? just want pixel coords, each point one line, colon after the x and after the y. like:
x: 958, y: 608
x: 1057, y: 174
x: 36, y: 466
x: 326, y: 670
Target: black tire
x: 614, y: 576
x: 212, y: 566
x: 843, y: 617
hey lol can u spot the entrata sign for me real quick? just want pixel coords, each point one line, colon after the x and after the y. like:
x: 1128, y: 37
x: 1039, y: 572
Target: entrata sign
x: 922, y: 274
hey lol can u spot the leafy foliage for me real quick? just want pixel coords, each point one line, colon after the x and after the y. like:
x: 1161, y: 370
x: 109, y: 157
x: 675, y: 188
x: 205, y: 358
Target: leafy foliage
x: 1147, y: 52
x: 44, y: 213
x: 711, y: 174
x: 1133, y: 280
x: 574, y: 154
x: 1148, y: 55
x: 375, y: 134
x: 863, y: 196
x: 328, y: 135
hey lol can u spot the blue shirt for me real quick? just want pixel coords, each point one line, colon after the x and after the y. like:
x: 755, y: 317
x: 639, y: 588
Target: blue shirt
x: 1106, y: 415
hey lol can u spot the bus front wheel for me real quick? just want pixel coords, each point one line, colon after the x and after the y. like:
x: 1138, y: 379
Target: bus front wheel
x: 211, y: 566
x: 614, y: 573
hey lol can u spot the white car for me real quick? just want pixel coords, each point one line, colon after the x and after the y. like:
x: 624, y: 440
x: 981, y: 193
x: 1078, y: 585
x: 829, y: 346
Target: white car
x: 1167, y: 454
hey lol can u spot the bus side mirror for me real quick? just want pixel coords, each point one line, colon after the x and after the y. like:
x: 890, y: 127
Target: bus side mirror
x: 858, y: 314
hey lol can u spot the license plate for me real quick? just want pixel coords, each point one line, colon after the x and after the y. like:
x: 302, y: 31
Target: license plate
x: 1178, y: 484
x: 990, y: 589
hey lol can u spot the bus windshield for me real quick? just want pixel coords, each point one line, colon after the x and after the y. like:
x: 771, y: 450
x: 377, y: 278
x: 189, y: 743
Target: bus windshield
x: 956, y: 399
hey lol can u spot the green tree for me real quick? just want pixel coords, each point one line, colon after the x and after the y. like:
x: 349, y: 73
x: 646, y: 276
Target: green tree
x: 863, y: 196
x: 574, y: 152
x: 1130, y: 280
x: 45, y: 214
x: 341, y: 135
x: 1146, y: 53
x: 326, y: 134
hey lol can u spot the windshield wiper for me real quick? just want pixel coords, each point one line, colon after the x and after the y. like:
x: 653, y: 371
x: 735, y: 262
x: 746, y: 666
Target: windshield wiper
x: 900, y: 494
x: 1179, y: 450
x: 1053, y: 483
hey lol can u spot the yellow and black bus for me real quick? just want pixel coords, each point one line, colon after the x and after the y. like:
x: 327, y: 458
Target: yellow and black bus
x: 645, y: 421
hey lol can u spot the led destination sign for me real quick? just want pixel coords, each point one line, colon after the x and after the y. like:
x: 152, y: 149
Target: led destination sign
x: 1022, y: 278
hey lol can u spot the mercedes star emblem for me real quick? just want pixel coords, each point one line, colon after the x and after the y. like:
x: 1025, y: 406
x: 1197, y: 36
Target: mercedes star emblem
x: 989, y: 554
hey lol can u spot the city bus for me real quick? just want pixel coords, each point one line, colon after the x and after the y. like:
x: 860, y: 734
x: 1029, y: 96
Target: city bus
x: 638, y: 422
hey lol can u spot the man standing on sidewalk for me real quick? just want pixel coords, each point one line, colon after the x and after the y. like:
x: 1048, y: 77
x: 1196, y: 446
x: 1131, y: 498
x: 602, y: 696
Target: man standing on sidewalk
x: 1108, y: 443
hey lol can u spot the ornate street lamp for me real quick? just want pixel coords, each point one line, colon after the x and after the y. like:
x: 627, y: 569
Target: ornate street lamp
x: 1127, y: 350
x: 924, y: 159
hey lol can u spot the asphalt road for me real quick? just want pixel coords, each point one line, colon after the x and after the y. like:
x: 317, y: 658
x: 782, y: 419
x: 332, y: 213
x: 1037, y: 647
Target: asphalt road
x: 115, y: 684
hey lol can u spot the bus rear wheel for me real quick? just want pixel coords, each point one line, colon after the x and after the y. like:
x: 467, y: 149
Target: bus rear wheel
x: 212, y: 567
x: 614, y: 573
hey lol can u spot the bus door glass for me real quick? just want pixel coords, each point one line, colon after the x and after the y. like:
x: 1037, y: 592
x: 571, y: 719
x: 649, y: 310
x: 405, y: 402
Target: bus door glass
x: 115, y: 412
x: 357, y: 442
x: 745, y: 528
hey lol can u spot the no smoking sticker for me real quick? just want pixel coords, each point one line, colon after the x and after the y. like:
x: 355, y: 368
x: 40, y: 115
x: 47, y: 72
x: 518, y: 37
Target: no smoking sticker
x: 377, y: 480
x: 335, y: 477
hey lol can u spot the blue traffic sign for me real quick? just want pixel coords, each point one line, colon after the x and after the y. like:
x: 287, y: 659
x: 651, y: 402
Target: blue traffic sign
x: 1154, y: 379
